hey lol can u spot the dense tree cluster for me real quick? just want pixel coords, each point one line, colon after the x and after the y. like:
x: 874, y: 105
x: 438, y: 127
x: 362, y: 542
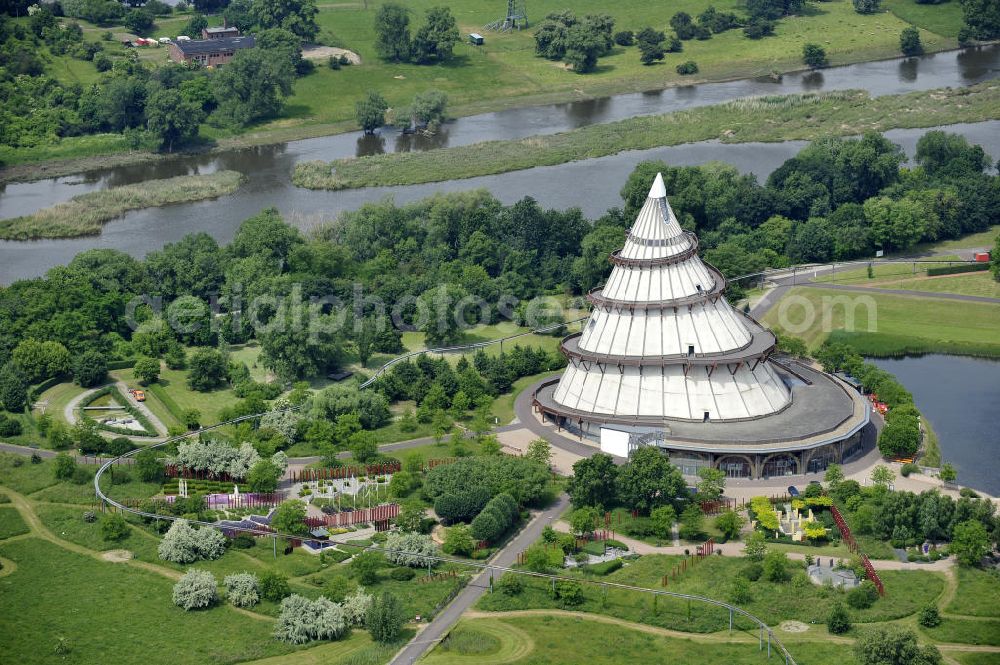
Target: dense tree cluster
x: 906, y: 519
x: 461, y: 490
x: 901, y: 435
x: 153, y: 107
x: 433, y: 42
x: 646, y: 482
x: 578, y: 42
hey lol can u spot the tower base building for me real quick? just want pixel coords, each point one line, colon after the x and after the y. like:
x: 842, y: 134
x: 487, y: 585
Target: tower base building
x: 665, y: 360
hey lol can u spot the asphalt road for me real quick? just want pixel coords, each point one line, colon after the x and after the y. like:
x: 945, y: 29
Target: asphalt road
x: 479, y: 585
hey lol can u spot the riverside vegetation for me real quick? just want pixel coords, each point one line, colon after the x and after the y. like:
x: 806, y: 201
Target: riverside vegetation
x: 86, y: 213
x: 770, y: 118
x: 73, y: 66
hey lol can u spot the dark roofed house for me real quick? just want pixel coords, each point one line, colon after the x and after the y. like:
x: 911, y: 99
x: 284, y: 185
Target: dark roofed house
x: 218, y: 32
x: 209, y: 52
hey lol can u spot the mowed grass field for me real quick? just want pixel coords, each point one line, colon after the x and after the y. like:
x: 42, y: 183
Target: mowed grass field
x: 885, y: 323
x: 505, y: 72
x: 568, y: 640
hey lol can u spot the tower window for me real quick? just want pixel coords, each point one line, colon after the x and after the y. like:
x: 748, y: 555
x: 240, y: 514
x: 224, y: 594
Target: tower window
x: 705, y: 418
x: 690, y: 349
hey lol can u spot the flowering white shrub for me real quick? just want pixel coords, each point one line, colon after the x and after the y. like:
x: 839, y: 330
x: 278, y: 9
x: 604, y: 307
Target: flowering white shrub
x: 216, y: 457
x: 242, y: 589
x: 356, y: 606
x: 302, y: 620
x: 183, y: 544
x: 408, y: 548
x: 195, y: 589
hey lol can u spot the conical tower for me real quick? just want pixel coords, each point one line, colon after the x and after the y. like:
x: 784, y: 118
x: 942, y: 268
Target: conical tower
x: 662, y: 343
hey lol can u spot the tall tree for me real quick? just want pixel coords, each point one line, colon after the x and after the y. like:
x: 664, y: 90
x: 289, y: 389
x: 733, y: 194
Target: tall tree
x: 392, y: 32
x: 436, y: 38
x: 296, y: 16
x: 370, y: 111
x: 982, y: 17
x: 252, y: 87
x: 172, y: 118
x: 593, y: 481
x: 649, y: 480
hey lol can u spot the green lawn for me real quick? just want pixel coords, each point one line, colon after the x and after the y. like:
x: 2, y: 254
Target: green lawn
x: 562, y: 640
x: 944, y: 19
x: 975, y: 284
x: 11, y: 523
x: 906, y: 593
x: 973, y: 241
x: 505, y: 72
x: 113, y: 614
x: 57, y: 397
x: 17, y: 473
x: 966, y: 631
x: 881, y: 271
x: 886, y: 324
x: 974, y: 658
x: 977, y: 593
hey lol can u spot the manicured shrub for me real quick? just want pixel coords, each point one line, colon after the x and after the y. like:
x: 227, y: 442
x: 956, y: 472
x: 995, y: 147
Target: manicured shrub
x: 930, y: 617
x: 385, y: 618
x: 839, y: 622
x: 739, y: 591
x: 114, y: 528
x: 510, y: 585
x: 776, y: 567
x: 242, y: 589
x: 402, y: 574
x: 183, y: 544
x: 862, y: 596
x: 625, y: 38
x: 302, y: 620
x: 409, y: 549
x: 687, y: 68
x: 274, y: 586
x: 9, y: 426
x: 196, y: 589
x: 356, y: 606
x: 752, y: 571
x: 569, y: 593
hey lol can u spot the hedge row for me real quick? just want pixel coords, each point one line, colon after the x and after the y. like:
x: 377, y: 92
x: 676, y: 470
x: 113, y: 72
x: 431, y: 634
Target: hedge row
x: 960, y: 268
x: 148, y: 428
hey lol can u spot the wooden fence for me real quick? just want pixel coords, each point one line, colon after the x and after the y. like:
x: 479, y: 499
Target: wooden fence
x: 377, y: 515
x: 852, y: 545
x: 341, y: 472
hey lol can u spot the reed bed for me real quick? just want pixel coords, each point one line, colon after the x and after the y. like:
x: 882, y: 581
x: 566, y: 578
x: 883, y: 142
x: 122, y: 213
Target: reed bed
x: 86, y: 214
x: 768, y: 118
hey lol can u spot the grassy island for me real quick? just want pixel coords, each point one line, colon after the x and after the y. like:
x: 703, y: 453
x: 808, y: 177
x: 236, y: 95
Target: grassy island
x: 772, y: 118
x: 85, y: 214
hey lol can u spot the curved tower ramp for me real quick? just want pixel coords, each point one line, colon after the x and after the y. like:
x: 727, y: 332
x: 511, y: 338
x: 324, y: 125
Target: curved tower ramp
x: 662, y: 343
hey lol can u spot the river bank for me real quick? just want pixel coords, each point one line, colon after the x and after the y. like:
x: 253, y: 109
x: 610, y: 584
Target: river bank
x: 958, y: 395
x: 593, y: 186
x: 85, y: 214
x: 776, y: 118
x: 516, y: 117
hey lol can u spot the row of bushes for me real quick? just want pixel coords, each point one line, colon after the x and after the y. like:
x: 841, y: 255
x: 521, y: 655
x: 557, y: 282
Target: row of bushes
x: 497, y: 517
x: 960, y: 268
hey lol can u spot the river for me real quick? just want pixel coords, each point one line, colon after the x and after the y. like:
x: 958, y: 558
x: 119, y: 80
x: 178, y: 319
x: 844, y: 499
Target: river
x: 959, y: 396
x: 592, y: 185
